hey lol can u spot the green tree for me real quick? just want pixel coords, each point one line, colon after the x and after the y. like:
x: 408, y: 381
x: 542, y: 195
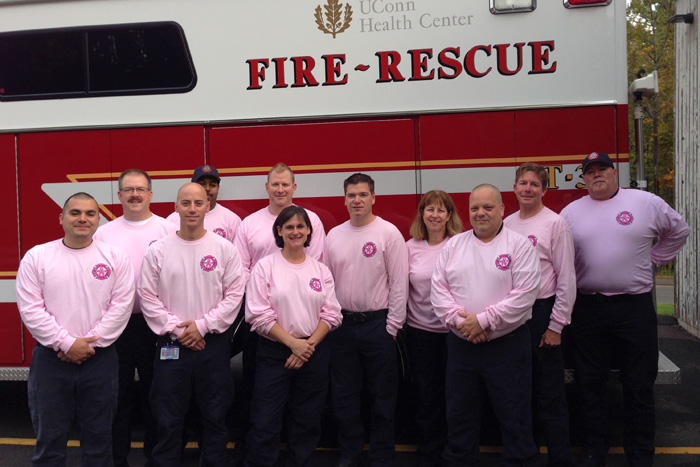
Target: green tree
x: 650, y: 42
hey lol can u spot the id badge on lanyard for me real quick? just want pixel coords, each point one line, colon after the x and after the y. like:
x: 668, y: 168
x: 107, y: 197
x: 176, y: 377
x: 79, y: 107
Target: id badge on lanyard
x: 170, y: 351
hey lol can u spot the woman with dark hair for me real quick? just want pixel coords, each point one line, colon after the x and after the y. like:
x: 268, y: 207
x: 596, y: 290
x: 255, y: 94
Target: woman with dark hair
x: 291, y: 303
x: 435, y: 222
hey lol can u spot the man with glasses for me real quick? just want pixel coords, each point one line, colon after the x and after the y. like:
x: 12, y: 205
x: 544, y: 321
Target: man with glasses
x: 133, y: 233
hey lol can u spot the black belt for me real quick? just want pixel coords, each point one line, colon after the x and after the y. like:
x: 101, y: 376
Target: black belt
x: 356, y: 317
x: 623, y: 297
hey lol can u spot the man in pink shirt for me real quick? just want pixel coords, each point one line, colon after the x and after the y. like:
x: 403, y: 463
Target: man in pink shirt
x: 550, y: 235
x: 191, y: 289
x: 483, y: 288
x: 219, y: 219
x: 133, y: 233
x: 369, y: 261
x: 614, y: 318
x: 75, y: 297
x: 254, y: 239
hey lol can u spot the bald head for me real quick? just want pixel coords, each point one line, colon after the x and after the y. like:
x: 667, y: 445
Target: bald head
x: 190, y: 188
x: 192, y: 206
x: 486, y: 211
x: 494, y: 191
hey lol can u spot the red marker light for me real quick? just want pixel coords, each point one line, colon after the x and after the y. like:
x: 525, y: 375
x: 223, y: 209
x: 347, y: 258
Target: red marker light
x: 582, y: 3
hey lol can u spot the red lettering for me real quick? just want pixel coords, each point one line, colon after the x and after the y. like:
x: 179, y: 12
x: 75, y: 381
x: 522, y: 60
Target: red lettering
x: 449, y: 62
x: 302, y: 72
x: 257, y: 73
x: 279, y: 72
x: 389, y: 66
x: 469, y: 62
x: 333, y: 63
x: 540, y: 57
x: 419, y: 64
x: 502, y: 58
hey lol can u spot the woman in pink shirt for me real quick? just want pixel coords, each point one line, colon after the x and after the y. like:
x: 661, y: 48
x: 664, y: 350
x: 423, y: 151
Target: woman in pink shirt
x: 436, y: 221
x: 291, y: 303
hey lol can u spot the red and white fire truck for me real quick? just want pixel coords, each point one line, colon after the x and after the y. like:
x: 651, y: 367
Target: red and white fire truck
x: 421, y: 94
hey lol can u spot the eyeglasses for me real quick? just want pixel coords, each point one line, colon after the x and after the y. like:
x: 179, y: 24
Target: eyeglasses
x: 140, y: 190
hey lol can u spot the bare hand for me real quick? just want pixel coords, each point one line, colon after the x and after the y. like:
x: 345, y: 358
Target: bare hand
x: 470, y: 329
x: 79, y: 351
x: 550, y: 339
x: 293, y: 362
x: 302, y: 348
x: 191, y: 338
x: 480, y: 339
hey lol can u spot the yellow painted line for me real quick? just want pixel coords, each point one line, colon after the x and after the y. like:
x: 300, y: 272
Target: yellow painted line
x: 679, y: 450
x: 398, y: 448
x: 364, y: 165
x: 18, y: 441
x: 8, y: 273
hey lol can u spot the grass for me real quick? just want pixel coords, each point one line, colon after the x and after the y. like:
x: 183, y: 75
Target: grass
x: 665, y: 309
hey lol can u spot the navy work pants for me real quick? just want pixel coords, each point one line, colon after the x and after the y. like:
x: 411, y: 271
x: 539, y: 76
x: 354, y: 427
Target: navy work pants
x: 364, y: 352
x: 501, y: 370
x: 303, y: 392
x: 620, y: 330
x: 427, y: 356
x: 204, y: 375
x: 61, y: 391
x: 136, y: 349
x: 550, y: 410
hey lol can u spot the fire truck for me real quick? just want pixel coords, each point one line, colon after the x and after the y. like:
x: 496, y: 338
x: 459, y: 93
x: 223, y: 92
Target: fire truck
x: 420, y: 94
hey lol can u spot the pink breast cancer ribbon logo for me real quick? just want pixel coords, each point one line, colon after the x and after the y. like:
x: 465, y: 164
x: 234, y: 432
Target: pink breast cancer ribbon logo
x: 220, y: 232
x: 625, y: 218
x: 101, y: 272
x: 208, y: 263
x: 315, y: 284
x: 532, y: 239
x: 503, y: 262
x: 369, y: 249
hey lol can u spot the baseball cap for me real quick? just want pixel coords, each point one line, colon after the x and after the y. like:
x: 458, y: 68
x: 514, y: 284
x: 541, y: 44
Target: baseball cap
x: 206, y: 171
x: 601, y: 157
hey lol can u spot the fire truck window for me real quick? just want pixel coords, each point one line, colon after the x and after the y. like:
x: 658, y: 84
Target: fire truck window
x: 139, y: 59
x: 150, y: 58
x: 40, y: 63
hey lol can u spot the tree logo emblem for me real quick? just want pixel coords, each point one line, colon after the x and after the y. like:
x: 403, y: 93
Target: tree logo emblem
x: 336, y: 20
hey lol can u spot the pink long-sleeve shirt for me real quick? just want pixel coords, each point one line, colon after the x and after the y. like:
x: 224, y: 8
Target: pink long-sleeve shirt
x: 221, y: 220
x: 614, y: 240
x: 497, y: 281
x: 295, y: 296
x: 421, y: 265
x: 65, y: 293
x: 370, y: 267
x: 199, y: 280
x: 133, y: 238
x: 551, y: 236
x: 255, y: 240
